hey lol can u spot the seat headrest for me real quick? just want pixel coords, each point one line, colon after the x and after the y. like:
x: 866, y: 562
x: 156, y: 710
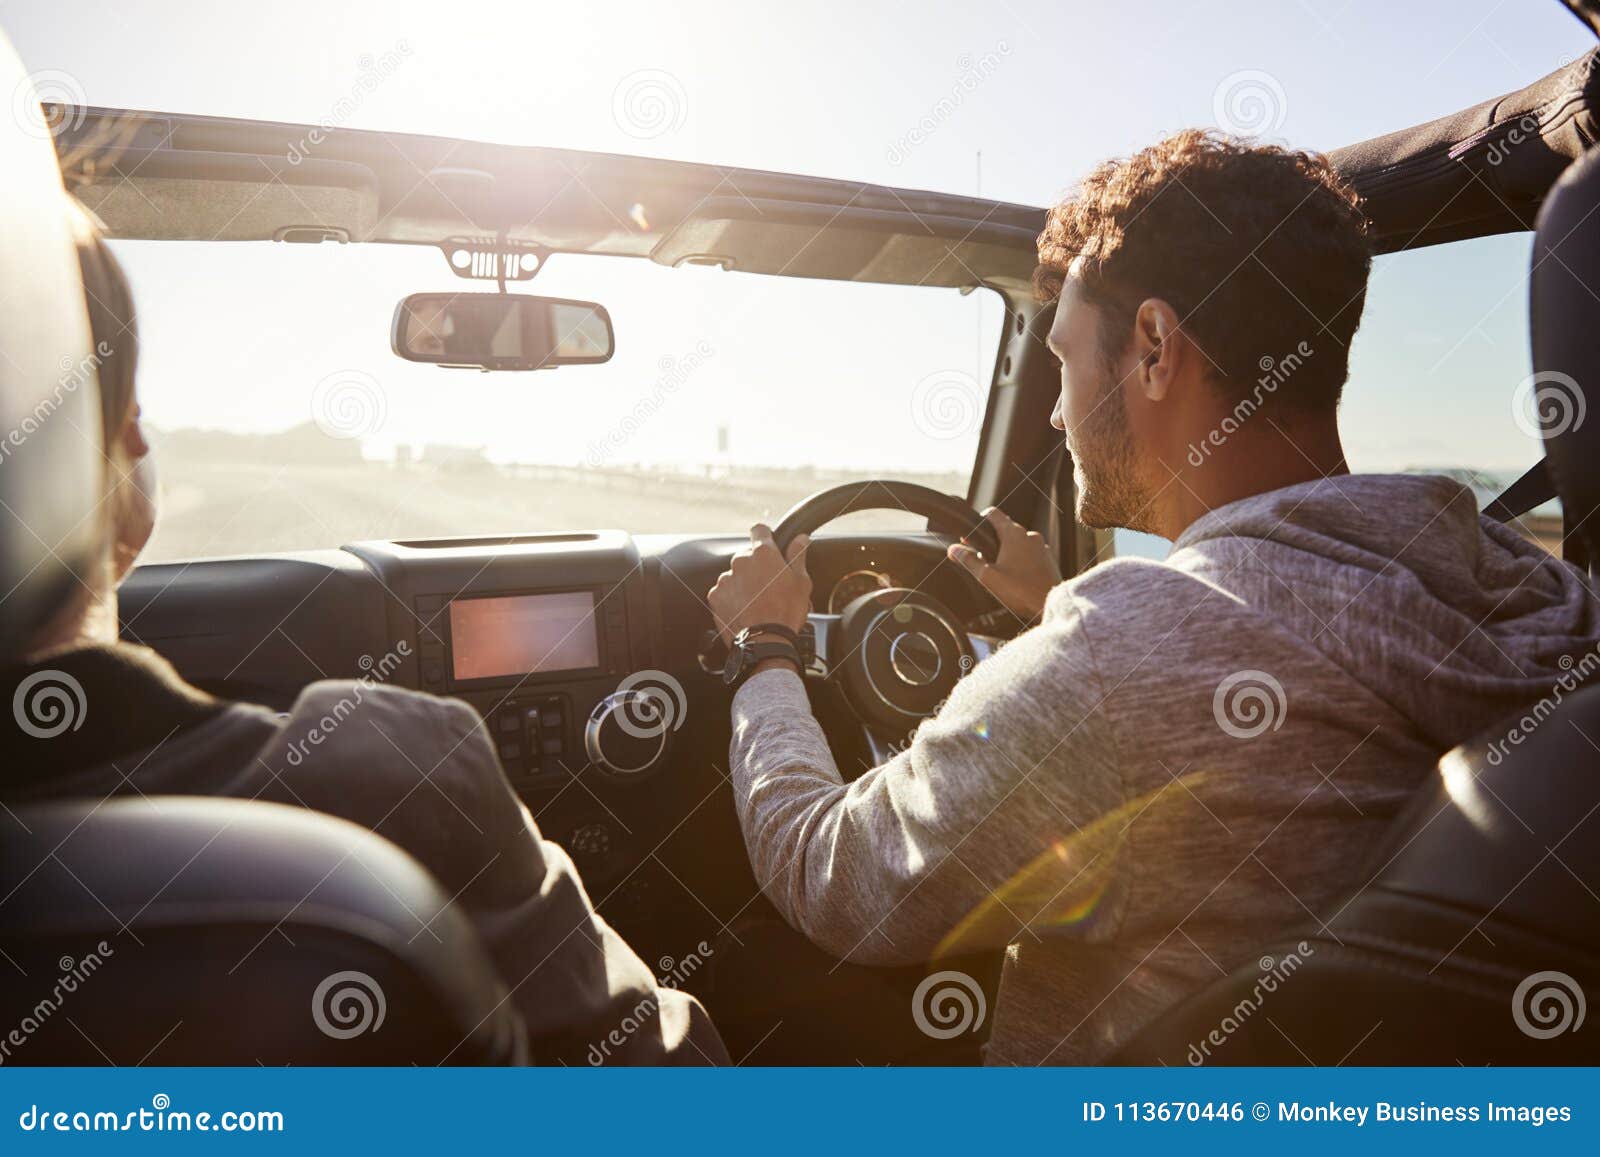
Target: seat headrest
x: 235, y: 932
x: 50, y: 460
x: 1564, y: 315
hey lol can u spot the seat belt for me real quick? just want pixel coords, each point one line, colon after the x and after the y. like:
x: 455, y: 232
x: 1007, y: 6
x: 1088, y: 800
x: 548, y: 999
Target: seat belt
x: 1528, y: 491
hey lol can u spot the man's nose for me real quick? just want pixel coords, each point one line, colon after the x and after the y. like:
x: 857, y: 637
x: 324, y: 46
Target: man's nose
x: 1056, y: 418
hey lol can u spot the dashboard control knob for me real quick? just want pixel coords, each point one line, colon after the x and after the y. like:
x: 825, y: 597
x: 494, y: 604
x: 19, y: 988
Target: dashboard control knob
x: 626, y: 734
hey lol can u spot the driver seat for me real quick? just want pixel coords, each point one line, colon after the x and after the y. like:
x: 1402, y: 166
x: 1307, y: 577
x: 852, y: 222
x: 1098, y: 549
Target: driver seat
x: 1475, y: 938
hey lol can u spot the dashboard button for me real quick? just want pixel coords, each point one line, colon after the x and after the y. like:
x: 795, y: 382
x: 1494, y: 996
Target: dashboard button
x: 510, y: 751
x: 433, y: 672
x: 551, y: 747
x: 591, y: 840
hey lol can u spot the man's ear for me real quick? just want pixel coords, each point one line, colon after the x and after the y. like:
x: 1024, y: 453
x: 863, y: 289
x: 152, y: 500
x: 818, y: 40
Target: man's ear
x: 134, y: 444
x: 1160, y: 347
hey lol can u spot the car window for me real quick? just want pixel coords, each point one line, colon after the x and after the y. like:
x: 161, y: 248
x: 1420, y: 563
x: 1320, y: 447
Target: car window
x: 1437, y: 375
x: 281, y: 420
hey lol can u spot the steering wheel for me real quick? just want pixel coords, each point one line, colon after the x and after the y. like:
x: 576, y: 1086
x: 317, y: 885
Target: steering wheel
x: 897, y: 653
x: 945, y: 512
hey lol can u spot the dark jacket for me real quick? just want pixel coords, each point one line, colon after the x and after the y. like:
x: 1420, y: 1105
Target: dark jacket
x: 418, y: 770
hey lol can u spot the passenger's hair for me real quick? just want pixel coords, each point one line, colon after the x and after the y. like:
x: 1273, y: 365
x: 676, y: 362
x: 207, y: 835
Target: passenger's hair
x: 1257, y: 248
x: 113, y: 329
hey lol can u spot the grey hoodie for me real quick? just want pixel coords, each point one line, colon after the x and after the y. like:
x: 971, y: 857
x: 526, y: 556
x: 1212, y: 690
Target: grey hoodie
x: 1184, y: 759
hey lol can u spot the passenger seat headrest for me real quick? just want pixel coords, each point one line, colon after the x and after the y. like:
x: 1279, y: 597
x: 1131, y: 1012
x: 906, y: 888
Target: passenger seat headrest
x: 50, y: 452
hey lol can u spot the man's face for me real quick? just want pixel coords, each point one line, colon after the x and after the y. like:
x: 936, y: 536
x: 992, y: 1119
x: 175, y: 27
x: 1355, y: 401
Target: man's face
x: 1093, y: 414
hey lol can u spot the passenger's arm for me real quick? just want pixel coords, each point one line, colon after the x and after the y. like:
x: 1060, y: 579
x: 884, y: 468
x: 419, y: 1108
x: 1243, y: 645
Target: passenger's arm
x: 1003, y: 814
x: 421, y: 771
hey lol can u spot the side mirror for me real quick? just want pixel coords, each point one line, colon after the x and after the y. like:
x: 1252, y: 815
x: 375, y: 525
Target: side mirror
x: 501, y: 331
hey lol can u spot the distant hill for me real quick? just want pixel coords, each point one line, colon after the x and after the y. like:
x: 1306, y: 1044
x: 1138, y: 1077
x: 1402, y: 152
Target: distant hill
x: 305, y: 443
x: 1485, y: 484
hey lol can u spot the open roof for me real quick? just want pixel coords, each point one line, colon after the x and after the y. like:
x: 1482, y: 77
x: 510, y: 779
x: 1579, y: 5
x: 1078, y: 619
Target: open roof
x: 154, y: 175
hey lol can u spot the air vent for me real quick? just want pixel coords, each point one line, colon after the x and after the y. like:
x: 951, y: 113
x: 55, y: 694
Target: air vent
x: 504, y: 540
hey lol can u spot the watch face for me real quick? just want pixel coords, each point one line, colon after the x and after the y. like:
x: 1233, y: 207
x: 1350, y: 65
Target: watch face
x: 734, y: 663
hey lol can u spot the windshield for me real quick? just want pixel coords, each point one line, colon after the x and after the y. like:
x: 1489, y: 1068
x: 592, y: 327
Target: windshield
x: 282, y: 420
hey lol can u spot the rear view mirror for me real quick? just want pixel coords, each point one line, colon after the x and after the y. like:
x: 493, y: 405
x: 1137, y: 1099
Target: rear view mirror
x: 501, y: 331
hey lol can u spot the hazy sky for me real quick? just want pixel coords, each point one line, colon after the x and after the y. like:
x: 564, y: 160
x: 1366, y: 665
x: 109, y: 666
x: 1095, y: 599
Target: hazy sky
x: 839, y: 89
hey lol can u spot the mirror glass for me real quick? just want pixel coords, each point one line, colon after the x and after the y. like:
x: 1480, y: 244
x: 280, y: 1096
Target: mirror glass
x: 501, y: 331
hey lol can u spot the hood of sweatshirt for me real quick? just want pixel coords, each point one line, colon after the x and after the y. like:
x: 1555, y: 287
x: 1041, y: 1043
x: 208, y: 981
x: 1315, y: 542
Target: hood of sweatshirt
x: 1451, y: 617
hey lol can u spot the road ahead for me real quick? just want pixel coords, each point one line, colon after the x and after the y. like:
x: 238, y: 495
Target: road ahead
x: 211, y: 508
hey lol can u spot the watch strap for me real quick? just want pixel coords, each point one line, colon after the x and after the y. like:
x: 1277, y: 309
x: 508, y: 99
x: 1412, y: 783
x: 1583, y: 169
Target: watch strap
x: 804, y: 640
x: 782, y: 630
x: 746, y: 656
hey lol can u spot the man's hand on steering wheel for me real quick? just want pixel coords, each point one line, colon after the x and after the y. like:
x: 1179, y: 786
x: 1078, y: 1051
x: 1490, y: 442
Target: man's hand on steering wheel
x: 1024, y: 572
x: 763, y: 585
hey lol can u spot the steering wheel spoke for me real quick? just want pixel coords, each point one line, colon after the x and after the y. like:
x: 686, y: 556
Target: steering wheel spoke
x: 825, y: 630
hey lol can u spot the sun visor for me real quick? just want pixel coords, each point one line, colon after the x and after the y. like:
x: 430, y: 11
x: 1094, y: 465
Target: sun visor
x: 168, y: 194
x: 1480, y: 171
x: 851, y: 243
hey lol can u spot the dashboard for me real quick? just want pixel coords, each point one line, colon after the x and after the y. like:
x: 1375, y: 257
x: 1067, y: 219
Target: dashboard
x: 582, y: 654
x: 549, y: 637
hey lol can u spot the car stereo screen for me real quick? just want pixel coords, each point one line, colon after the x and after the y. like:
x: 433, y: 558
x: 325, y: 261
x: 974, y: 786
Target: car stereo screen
x: 523, y: 634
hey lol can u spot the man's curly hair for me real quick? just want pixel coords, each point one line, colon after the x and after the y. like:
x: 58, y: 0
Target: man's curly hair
x: 1257, y: 248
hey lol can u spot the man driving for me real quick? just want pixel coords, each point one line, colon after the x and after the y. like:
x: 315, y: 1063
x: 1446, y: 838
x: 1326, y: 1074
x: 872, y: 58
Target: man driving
x: 1182, y: 758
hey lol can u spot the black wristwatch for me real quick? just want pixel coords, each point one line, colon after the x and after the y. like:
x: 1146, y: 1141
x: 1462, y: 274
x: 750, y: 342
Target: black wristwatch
x: 749, y: 649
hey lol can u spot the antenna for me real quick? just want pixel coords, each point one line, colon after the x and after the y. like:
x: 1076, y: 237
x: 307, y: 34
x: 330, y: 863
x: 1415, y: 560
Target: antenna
x: 977, y: 182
